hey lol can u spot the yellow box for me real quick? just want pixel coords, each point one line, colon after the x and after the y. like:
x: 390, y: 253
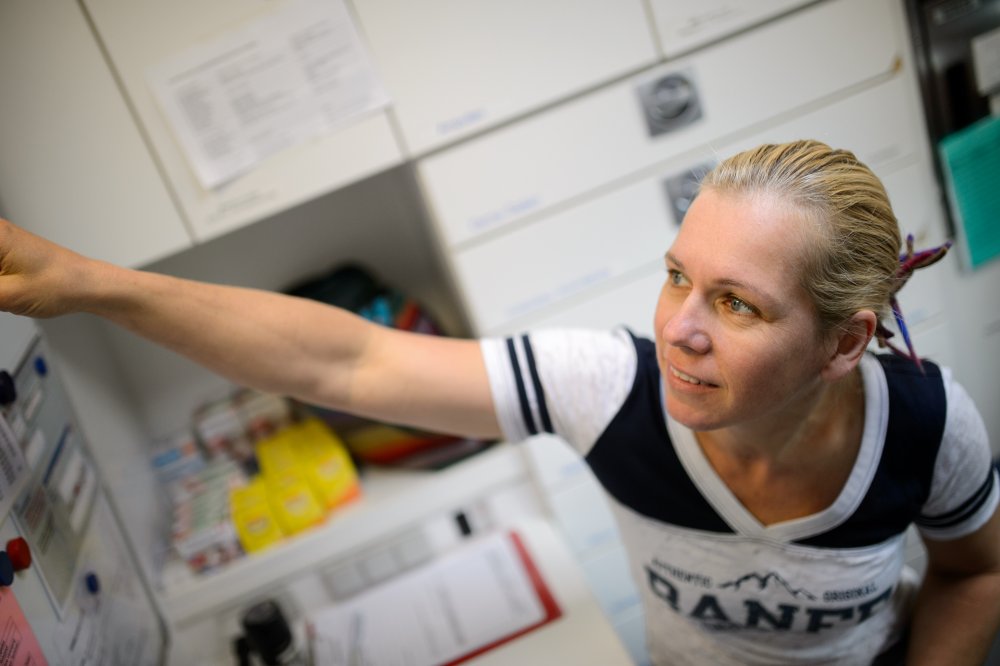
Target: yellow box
x: 253, y: 518
x: 275, y: 455
x: 294, y: 503
x: 306, y: 471
x: 327, y: 465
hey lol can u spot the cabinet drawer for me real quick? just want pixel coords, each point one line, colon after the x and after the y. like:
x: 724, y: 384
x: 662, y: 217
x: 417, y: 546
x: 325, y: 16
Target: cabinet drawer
x: 630, y: 303
x: 454, y: 67
x: 568, y: 254
x: 883, y: 140
x: 683, y: 25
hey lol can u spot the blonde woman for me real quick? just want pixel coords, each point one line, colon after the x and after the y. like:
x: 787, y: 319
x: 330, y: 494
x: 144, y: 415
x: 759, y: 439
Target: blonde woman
x: 762, y: 465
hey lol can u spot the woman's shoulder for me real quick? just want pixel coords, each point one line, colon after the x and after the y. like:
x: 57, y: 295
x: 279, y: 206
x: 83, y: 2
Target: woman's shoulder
x: 577, y: 351
x: 918, y: 390
x: 579, y: 376
x: 930, y: 390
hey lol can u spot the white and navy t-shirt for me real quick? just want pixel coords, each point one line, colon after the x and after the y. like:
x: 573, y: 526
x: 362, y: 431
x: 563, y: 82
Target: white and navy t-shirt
x: 719, y: 587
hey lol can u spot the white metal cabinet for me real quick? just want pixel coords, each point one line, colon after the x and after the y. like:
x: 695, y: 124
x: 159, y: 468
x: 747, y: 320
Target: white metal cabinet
x: 454, y: 67
x: 525, y: 169
x: 73, y: 165
x: 140, y: 35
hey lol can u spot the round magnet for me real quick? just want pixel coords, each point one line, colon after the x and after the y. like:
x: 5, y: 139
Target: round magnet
x: 93, y: 583
x: 19, y: 553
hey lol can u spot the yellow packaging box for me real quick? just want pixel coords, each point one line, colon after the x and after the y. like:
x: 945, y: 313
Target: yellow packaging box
x: 327, y: 464
x: 276, y: 455
x: 295, y: 505
x: 306, y: 471
x: 252, y: 516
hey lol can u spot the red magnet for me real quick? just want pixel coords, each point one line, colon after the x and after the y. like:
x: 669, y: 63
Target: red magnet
x: 20, y: 554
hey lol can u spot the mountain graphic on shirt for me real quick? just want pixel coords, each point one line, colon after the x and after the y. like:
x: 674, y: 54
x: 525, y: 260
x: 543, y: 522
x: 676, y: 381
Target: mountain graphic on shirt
x: 763, y: 581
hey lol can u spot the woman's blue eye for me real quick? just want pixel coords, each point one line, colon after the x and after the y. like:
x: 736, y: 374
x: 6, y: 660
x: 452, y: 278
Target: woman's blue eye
x: 739, y: 306
x: 675, y: 277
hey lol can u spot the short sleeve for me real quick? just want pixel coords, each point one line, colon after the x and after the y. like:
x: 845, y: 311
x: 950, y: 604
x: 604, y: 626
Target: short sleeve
x: 563, y: 381
x: 964, y: 489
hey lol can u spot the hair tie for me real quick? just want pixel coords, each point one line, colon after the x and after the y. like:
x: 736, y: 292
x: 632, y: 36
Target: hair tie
x: 909, y: 261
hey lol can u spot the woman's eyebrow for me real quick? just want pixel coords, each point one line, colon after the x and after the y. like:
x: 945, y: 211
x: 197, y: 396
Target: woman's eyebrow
x: 758, y: 295
x: 728, y: 282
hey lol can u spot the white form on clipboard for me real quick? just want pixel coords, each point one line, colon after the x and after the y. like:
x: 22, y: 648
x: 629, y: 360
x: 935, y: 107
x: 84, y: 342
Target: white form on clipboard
x: 459, y: 606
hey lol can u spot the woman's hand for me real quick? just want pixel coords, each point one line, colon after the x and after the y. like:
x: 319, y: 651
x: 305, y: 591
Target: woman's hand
x: 39, y: 278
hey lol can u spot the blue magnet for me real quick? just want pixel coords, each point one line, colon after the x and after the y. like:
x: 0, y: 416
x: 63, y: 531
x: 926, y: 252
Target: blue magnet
x: 6, y: 569
x: 93, y: 583
x: 41, y: 367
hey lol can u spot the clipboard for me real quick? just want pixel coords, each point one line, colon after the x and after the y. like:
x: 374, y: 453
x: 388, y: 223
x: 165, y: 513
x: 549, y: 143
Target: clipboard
x: 448, y: 612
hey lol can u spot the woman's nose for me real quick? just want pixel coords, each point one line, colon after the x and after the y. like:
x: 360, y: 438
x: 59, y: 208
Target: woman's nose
x: 685, y: 328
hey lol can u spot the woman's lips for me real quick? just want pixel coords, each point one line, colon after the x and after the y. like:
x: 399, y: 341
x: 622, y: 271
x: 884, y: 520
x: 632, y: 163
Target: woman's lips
x: 689, y: 379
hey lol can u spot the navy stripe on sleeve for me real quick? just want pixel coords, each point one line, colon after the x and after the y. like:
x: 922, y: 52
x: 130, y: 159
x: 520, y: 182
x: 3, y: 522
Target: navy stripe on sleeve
x: 543, y: 410
x: 522, y: 394
x: 968, y: 508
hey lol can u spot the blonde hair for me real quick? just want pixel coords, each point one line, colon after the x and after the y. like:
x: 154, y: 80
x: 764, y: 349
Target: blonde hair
x: 854, y: 267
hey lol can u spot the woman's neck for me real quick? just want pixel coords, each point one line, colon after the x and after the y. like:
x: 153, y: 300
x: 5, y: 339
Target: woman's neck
x: 793, y: 469
x: 814, y: 425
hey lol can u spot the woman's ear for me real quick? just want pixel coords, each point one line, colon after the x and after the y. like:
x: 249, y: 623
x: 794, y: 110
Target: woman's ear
x: 851, y: 340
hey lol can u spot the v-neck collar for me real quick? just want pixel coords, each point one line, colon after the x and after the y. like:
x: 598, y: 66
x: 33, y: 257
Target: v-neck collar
x: 729, y: 507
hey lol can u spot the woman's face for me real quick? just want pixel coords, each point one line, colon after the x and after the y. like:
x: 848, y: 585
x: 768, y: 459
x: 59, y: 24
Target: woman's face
x: 737, y: 336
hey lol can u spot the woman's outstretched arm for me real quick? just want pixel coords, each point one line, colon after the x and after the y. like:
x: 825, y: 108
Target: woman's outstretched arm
x: 273, y: 342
